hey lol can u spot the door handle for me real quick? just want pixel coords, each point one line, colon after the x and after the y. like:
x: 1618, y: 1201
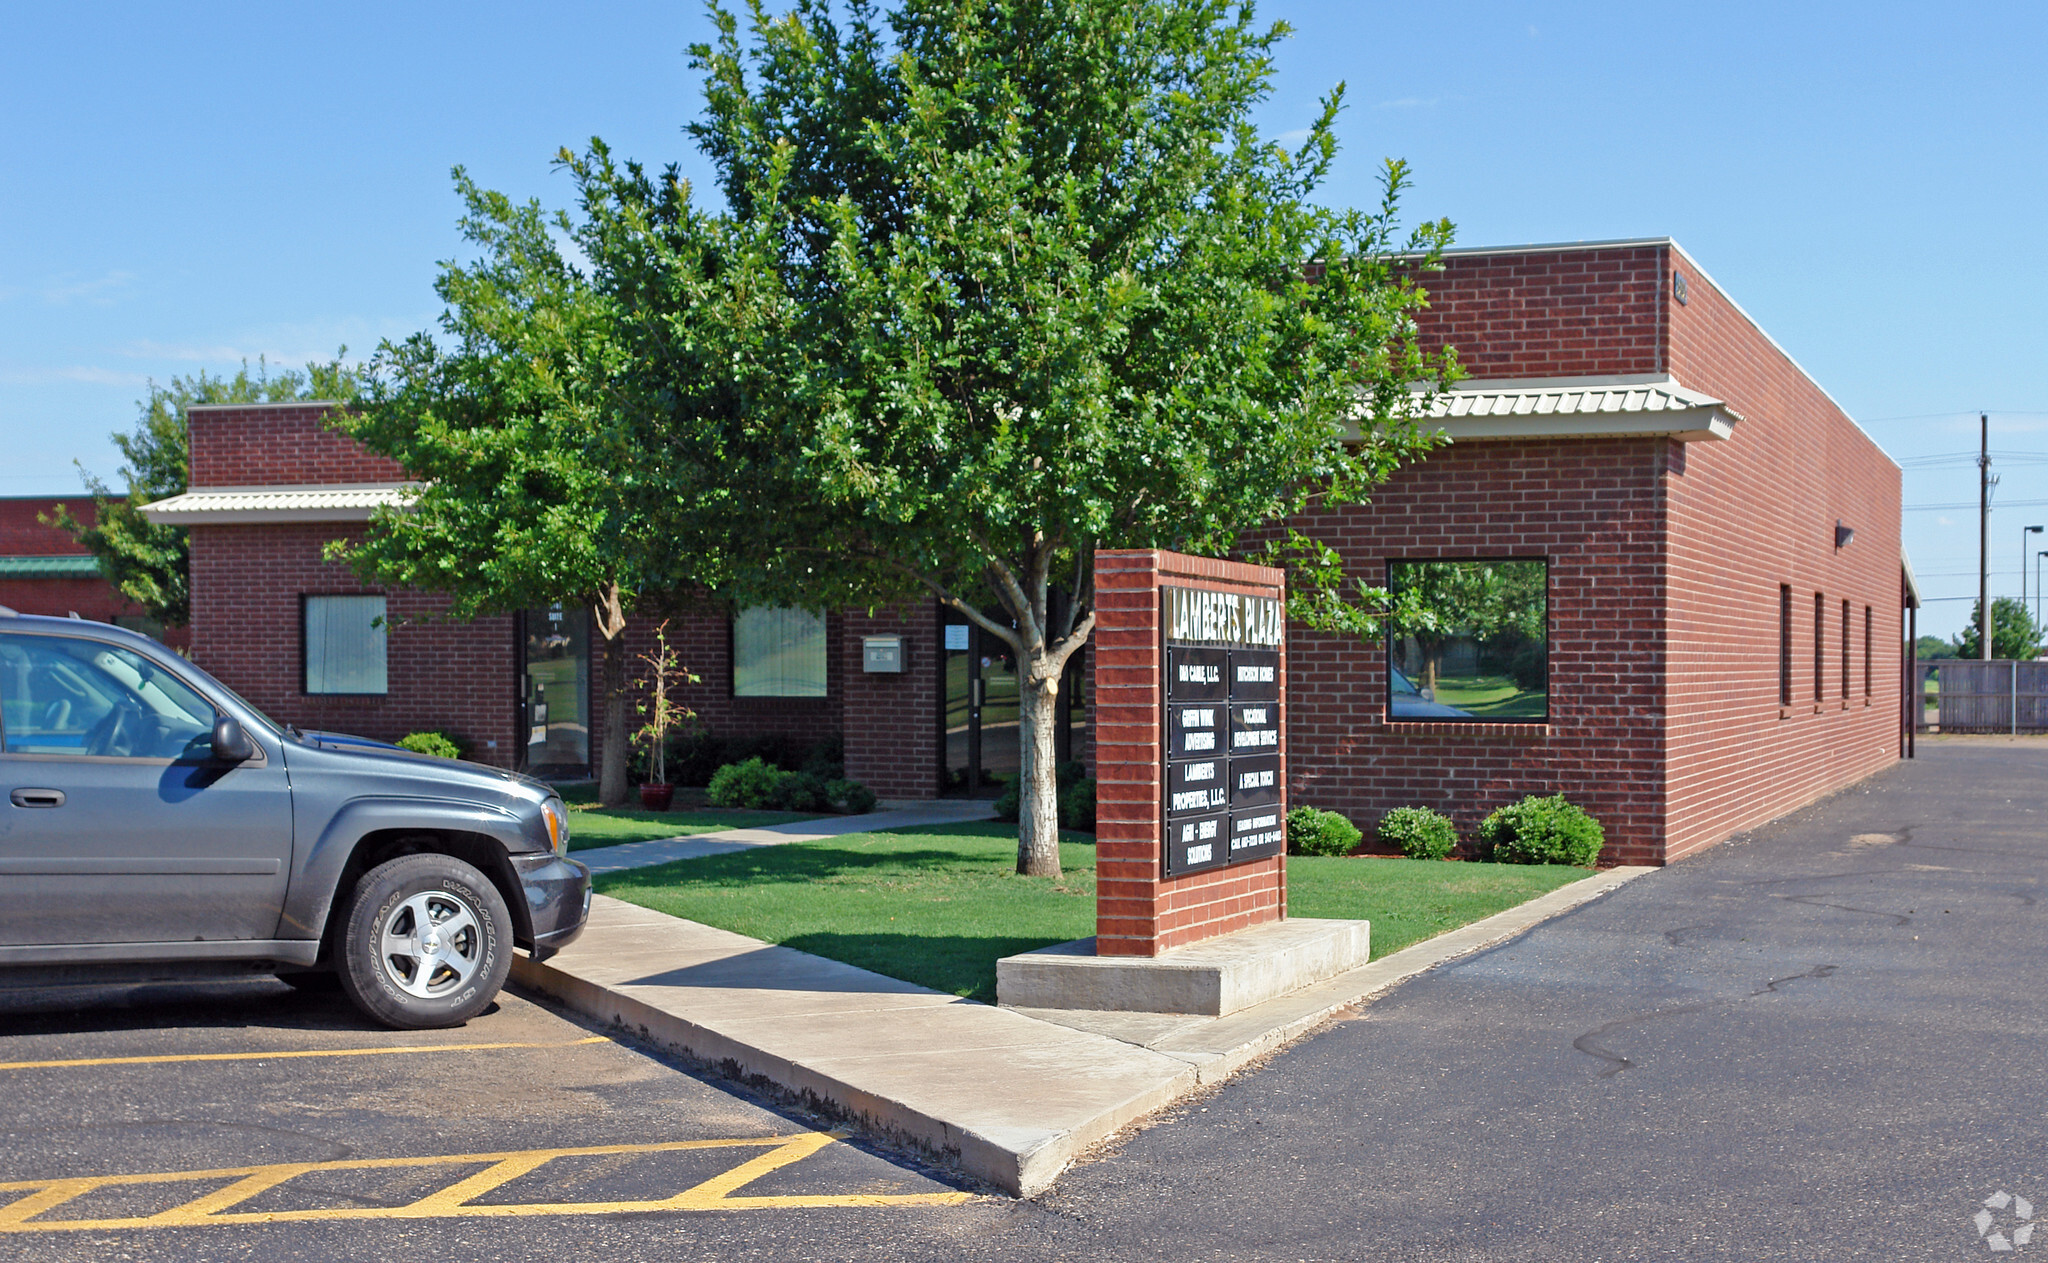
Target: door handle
x: 977, y: 693
x: 37, y: 798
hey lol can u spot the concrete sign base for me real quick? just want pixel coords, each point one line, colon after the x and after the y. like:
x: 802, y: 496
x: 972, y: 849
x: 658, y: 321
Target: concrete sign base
x: 1211, y: 978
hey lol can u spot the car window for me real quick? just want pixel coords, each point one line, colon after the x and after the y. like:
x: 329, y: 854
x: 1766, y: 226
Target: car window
x: 61, y: 695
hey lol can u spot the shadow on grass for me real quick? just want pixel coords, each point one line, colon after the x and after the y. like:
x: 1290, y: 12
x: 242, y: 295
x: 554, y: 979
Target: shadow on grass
x: 897, y: 964
x: 964, y: 965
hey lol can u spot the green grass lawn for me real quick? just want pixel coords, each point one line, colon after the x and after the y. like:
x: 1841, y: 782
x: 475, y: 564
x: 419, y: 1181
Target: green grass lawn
x: 938, y: 905
x: 599, y: 826
x: 1490, y: 697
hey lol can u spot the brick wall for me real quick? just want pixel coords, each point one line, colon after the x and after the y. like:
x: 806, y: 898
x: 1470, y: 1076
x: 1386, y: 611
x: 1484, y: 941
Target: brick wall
x: 22, y: 535
x: 1138, y: 912
x: 279, y: 445
x: 246, y: 584
x: 1747, y: 515
x: 1666, y: 561
x: 1591, y: 508
x: 1550, y: 313
x: 892, y: 721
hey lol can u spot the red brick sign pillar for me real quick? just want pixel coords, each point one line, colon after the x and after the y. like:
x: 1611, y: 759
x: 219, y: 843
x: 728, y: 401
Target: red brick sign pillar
x: 1160, y: 800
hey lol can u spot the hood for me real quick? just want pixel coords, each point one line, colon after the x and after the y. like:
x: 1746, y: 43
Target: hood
x: 459, y: 769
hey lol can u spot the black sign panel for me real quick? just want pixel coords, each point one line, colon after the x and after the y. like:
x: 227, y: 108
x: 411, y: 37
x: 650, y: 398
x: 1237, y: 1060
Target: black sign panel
x: 1197, y: 842
x: 1254, y: 676
x: 1256, y: 834
x: 1222, y: 732
x: 1255, y: 782
x: 1255, y: 729
x: 1197, y: 785
x: 1197, y: 675
x: 1196, y: 732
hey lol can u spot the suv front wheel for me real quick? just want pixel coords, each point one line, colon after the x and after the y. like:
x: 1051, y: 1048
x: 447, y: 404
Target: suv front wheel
x: 427, y: 942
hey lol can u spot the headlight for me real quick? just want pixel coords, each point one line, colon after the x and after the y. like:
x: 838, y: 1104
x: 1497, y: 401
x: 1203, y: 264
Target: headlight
x: 558, y: 825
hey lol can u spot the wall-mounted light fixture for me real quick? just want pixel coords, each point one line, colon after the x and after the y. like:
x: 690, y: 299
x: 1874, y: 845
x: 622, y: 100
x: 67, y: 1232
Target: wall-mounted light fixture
x: 1843, y: 534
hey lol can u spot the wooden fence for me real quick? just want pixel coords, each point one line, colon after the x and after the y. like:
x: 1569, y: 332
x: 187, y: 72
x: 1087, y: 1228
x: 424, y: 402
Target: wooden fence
x: 1970, y: 695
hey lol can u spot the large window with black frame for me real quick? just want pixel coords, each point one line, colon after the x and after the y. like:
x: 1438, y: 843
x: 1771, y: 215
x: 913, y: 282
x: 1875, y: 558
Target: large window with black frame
x: 1469, y: 640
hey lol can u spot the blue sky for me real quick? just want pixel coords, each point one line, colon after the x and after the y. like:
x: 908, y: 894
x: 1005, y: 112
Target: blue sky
x: 190, y: 186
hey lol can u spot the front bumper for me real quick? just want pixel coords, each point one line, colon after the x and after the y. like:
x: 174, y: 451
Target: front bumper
x: 557, y: 894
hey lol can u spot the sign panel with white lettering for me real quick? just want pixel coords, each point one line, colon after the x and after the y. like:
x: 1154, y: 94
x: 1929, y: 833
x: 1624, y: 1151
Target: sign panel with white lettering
x: 1222, y: 737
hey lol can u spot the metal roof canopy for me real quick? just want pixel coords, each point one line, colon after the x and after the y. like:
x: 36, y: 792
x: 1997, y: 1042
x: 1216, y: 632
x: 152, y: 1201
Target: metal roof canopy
x: 229, y: 506
x: 1627, y: 406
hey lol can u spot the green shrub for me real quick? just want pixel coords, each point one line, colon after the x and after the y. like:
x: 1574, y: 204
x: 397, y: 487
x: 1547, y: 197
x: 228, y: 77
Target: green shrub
x: 1314, y: 832
x: 798, y: 791
x: 438, y: 744
x: 1419, y: 833
x: 1540, y: 830
x: 851, y: 797
x: 1077, y: 806
x: 1009, y: 803
x: 749, y: 784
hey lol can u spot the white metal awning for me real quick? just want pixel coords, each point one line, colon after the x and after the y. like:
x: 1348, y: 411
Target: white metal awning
x: 229, y: 506
x: 1578, y: 407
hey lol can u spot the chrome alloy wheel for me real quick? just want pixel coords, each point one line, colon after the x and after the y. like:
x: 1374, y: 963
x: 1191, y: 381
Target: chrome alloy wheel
x: 432, y: 943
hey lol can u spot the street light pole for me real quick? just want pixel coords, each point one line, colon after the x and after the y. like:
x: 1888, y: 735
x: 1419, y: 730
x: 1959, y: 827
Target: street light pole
x: 2037, y: 587
x: 2024, y: 545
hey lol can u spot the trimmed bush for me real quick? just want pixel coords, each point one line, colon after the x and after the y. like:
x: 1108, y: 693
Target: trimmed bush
x: 438, y: 744
x: 1077, y: 806
x: 1314, y: 832
x: 1541, y: 830
x: 851, y: 797
x: 749, y: 784
x: 1009, y: 803
x: 798, y: 791
x: 1419, y: 833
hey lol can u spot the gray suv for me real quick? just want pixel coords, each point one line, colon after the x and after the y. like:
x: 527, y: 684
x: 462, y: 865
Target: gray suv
x: 158, y: 825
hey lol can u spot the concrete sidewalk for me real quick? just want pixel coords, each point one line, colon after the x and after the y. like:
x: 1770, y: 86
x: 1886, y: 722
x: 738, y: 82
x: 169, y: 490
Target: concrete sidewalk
x: 611, y: 859
x: 1011, y: 1096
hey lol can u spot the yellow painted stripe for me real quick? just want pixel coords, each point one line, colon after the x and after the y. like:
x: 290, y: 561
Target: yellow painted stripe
x: 284, y: 1055
x: 454, y: 1201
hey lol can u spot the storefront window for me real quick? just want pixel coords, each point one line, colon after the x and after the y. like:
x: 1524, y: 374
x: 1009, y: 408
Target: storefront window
x: 344, y: 645
x: 1473, y: 643
x: 778, y: 652
x: 557, y: 692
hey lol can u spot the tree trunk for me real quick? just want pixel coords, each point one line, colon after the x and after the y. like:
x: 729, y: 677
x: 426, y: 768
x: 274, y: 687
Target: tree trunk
x: 612, y: 790
x: 1038, y: 799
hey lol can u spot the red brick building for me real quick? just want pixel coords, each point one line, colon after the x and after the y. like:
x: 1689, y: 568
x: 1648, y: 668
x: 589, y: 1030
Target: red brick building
x: 1681, y: 562
x: 43, y: 570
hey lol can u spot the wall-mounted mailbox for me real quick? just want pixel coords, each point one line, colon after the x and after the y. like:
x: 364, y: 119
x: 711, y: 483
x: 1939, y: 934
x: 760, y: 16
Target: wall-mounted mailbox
x: 881, y: 655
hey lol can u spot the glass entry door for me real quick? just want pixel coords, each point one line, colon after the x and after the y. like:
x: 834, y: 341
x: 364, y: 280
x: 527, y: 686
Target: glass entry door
x: 554, y: 676
x: 980, y: 717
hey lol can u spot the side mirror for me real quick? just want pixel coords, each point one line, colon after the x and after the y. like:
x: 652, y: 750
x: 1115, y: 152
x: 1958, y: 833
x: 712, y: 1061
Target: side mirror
x: 230, y: 743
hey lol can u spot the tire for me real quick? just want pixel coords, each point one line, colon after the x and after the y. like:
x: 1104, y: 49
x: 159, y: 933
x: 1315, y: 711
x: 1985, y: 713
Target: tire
x: 397, y: 979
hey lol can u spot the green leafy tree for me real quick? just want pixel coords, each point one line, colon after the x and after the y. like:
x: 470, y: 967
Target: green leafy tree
x: 148, y: 563
x: 2014, y: 633
x: 1933, y: 647
x: 1038, y: 287
x: 523, y: 422
x: 1445, y: 600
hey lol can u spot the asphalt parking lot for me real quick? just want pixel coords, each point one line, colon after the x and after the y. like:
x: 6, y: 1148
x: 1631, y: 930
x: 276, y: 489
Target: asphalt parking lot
x: 247, y: 1120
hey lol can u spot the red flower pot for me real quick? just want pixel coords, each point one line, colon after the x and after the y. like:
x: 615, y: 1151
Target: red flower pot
x: 657, y: 797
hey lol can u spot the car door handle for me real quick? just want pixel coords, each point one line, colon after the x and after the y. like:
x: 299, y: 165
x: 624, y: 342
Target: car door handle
x: 37, y: 798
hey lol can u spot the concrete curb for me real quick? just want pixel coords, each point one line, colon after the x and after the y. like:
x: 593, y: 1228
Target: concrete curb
x: 1012, y: 1096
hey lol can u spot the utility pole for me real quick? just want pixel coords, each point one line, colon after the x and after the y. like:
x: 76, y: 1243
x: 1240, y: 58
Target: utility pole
x: 1984, y: 536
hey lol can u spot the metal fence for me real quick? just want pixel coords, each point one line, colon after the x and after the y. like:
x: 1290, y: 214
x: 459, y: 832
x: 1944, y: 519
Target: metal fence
x: 1966, y: 695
